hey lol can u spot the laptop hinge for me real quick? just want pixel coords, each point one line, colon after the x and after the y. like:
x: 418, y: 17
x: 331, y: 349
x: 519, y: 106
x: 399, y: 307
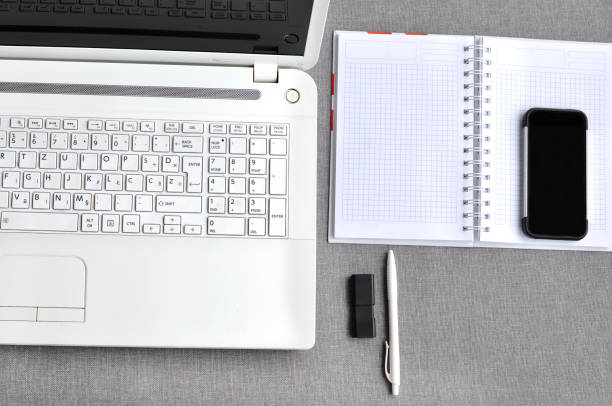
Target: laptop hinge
x: 265, y: 73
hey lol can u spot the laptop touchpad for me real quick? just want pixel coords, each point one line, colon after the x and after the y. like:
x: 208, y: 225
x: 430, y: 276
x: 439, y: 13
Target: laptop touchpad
x: 39, y: 288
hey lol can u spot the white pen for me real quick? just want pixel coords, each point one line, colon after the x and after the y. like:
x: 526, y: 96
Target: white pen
x: 392, y: 356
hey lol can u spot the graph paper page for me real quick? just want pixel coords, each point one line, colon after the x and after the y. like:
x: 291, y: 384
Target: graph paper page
x: 553, y: 74
x: 399, y: 138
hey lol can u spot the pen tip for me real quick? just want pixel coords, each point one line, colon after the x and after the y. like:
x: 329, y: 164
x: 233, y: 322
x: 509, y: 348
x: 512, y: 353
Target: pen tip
x: 395, y: 389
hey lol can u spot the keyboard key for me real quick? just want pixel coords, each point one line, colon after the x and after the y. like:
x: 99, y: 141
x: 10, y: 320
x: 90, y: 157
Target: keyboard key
x: 192, y: 166
x: 257, y: 166
x: 130, y: 126
x: 278, y: 146
x: 18, y: 139
x: 170, y: 163
x: 112, y: 125
x: 17, y: 122
x: 178, y: 204
x: 151, y: 228
x: 144, y: 203
x: 257, y: 186
x: 131, y: 223
x: 99, y: 142
x: 171, y: 127
x: 121, y: 142
x: 193, y: 128
x: 59, y: 141
x: 238, y: 145
x: 257, y: 226
x: 194, y: 13
x: 123, y: 202
x: 216, y: 205
x: 20, y: 200
x: 141, y: 143
x: 109, y: 162
x: 110, y: 223
x: 8, y: 159
x: 226, y: 226
x: 172, y: 229
x: 10, y: 180
x: 35, y: 123
x: 277, y: 217
x: 216, y: 164
x: 52, y: 124
x: 258, y: 129
x: 278, y: 176
x: 257, y: 205
x: 31, y: 180
x: 175, y: 184
x: 90, y: 223
x: 80, y: 141
x: 82, y: 202
x: 41, y: 201
x: 27, y: 221
x: 150, y: 163
x: 217, y: 145
x: 218, y: 128
x: 258, y: 146
x: 103, y: 202
x: 161, y: 143
x: 3, y: 139
x: 147, y: 126
x: 238, y: 129
x: 71, y: 124
x: 27, y: 160
x: 96, y: 125
x: 38, y: 140
x: 47, y: 160
x: 4, y: 200
x: 279, y: 129
x: 216, y: 184
x: 192, y: 229
x: 196, y: 4
x: 188, y: 144
x: 237, y: 186
x: 236, y: 205
x: 237, y: 166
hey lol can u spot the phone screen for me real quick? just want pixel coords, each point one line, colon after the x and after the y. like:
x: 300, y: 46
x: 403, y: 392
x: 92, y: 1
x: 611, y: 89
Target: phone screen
x: 556, y: 200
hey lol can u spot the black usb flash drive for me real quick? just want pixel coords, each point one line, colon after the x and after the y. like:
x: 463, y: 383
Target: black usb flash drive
x: 364, y: 324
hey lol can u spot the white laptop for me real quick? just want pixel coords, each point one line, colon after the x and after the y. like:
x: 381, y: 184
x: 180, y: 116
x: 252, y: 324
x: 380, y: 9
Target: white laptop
x: 158, y: 172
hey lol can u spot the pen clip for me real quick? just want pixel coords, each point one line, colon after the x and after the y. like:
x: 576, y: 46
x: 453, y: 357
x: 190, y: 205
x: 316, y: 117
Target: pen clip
x: 387, y: 362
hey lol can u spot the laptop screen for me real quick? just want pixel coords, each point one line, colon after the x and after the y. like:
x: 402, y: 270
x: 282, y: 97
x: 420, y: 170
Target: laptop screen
x: 277, y: 27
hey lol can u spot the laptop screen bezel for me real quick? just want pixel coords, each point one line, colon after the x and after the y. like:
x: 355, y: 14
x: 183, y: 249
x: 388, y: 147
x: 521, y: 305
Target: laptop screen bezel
x: 305, y: 62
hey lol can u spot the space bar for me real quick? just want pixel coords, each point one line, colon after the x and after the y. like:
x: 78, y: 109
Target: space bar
x: 28, y: 221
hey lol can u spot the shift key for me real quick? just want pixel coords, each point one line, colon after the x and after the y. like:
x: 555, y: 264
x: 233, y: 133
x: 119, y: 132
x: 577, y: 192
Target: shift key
x: 178, y: 204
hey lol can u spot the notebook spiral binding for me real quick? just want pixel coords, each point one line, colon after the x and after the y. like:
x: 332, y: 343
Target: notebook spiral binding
x: 476, y: 158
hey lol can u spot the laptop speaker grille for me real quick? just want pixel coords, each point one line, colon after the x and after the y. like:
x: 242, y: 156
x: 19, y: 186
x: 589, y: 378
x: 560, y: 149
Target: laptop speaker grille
x: 130, y: 91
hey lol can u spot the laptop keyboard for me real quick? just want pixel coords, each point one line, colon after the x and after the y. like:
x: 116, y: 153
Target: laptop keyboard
x: 256, y: 10
x: 111, y: 175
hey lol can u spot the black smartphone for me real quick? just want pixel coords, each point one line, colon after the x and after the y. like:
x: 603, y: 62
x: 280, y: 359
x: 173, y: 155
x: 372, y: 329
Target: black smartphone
x: 555, y: 174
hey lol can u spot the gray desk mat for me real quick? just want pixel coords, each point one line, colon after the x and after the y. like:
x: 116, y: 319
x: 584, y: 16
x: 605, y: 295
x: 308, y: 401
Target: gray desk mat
x: 478, y: 326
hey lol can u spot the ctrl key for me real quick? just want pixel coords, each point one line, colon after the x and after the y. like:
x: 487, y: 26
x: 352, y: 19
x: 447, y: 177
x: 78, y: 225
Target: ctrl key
x: 226, y: 226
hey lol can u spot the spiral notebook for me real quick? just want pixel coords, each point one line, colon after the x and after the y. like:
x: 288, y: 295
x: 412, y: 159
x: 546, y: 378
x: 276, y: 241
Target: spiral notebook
x: 426, y: 136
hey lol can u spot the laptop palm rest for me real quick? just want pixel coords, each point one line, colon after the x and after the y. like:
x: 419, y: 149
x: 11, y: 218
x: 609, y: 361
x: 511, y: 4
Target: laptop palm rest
x: 42, y: 288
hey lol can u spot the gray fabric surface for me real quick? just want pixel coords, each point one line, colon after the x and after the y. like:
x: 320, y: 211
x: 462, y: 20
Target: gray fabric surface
x: 478, y: 326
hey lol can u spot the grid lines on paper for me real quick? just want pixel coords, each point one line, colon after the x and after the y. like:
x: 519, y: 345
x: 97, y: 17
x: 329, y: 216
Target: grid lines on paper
x: 400, y: 143
x: 515, y: 92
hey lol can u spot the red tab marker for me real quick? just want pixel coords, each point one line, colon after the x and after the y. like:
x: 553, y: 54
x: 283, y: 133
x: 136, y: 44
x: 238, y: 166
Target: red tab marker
x: 377, y: 32
x: 332, y: 120
x: 414, y: 33
x: 333, y: 84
